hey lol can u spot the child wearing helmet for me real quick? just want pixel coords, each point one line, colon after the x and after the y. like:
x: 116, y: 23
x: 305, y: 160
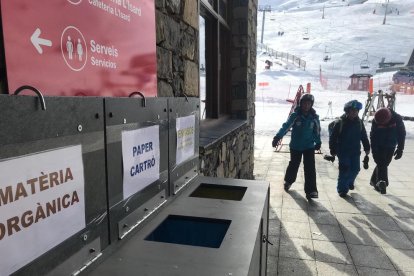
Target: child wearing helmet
x: 387, y: 140
x: 345, y: 142
x: 305, y: 139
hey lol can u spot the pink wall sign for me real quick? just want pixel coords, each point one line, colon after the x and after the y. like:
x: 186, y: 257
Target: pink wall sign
x: 81, y: 47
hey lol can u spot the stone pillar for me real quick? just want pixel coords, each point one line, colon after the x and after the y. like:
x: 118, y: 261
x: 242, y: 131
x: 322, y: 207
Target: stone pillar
x: 244, y: 73
x: 177, y: 57
x: 177, y: 47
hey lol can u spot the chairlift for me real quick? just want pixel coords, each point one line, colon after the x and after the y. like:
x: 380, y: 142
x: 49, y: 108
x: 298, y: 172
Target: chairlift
x: 365, y: 63
x: 327, y: 56
x: 306, y: 35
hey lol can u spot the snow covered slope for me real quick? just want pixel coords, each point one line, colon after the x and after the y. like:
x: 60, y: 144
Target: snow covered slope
x: 351, y: 33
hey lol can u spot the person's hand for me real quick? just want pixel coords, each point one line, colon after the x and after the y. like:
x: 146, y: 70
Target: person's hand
x: 398, y: 153
x: 329, y: 158
x: 317, y: 146
x: 332, y: 152
x: 365, y: 162
x: 275, y: 141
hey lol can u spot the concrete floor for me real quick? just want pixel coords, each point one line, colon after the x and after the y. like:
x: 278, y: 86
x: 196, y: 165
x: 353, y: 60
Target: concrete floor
x: 364, y: 234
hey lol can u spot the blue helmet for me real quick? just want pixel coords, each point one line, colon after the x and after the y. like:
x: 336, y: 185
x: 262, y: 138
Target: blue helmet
x: 354, y: 104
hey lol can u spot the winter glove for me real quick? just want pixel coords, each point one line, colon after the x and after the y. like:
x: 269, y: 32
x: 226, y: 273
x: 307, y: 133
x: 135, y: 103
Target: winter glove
x: 317, y: 146
x: 332, y: 152
x: 398, y: 153
x: 329, y: 158
x: 275, y: 141
x: 365, y: 161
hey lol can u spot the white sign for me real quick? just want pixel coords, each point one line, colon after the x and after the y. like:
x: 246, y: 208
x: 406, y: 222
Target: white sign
x: 42, y: 203
x: 185, y: 127
x: 141, y: 158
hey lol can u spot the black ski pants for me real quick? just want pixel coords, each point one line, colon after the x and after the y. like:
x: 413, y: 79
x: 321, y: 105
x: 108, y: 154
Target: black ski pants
x: 308, y: 166
x: 382, y: 158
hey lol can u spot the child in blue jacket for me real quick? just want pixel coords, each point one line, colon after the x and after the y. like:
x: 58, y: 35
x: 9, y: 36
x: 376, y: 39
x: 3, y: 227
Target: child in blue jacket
x: 345, y: 142
x: 305, y: 139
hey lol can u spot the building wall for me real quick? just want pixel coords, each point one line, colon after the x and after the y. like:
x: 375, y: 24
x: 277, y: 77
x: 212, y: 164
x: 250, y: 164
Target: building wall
x: 177, y: 69
x: 177, y: 56
x: 360, y: 84
x: 231, y: 156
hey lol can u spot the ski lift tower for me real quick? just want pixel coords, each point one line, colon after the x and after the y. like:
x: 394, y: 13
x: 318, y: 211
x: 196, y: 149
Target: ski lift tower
x: 323, y: 12
x: 385, y: 14
x: 264, y: 9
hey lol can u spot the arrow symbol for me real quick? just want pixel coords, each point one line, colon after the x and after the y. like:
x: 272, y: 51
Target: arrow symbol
x: 37, y: 41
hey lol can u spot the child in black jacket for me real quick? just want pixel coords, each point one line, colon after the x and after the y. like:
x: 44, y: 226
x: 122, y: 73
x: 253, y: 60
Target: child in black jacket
x: 387, y: 133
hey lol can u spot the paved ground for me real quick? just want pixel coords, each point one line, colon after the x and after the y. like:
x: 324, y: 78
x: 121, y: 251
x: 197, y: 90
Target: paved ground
x: 365, y: 234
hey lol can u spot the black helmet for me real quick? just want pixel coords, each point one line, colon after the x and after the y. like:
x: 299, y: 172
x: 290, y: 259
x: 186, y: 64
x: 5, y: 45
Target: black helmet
x: 354, y: 104
x: 306, y: 97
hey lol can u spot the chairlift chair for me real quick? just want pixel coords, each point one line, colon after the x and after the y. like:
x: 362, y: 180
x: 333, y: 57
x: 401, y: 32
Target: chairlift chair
x: 364, y: 64
x: 327, y: 55
x: 306, y: 35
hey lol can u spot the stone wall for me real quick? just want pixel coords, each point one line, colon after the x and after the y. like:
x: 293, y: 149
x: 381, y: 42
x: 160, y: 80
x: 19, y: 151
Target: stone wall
x: 177, y: 47
x: 177, y: 57
x: 231, y: 157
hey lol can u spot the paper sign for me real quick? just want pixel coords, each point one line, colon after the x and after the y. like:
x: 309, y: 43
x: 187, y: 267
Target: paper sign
x: 141, y: 158
x: 185, y: 127
x: 42, y: 203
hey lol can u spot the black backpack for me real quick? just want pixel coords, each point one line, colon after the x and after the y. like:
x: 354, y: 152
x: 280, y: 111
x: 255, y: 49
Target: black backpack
x: 332, y: 125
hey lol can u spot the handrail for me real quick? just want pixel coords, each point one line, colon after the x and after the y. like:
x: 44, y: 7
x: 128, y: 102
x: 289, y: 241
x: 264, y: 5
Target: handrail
x: 283, y: 56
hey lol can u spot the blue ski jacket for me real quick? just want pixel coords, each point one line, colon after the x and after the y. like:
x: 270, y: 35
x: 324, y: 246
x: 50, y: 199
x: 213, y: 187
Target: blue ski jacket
x: 305, y: 130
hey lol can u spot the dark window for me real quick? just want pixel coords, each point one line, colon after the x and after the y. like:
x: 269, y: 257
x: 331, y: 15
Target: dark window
x: 223, y: 9
x: 215, y: 69
x: 213, y: 4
